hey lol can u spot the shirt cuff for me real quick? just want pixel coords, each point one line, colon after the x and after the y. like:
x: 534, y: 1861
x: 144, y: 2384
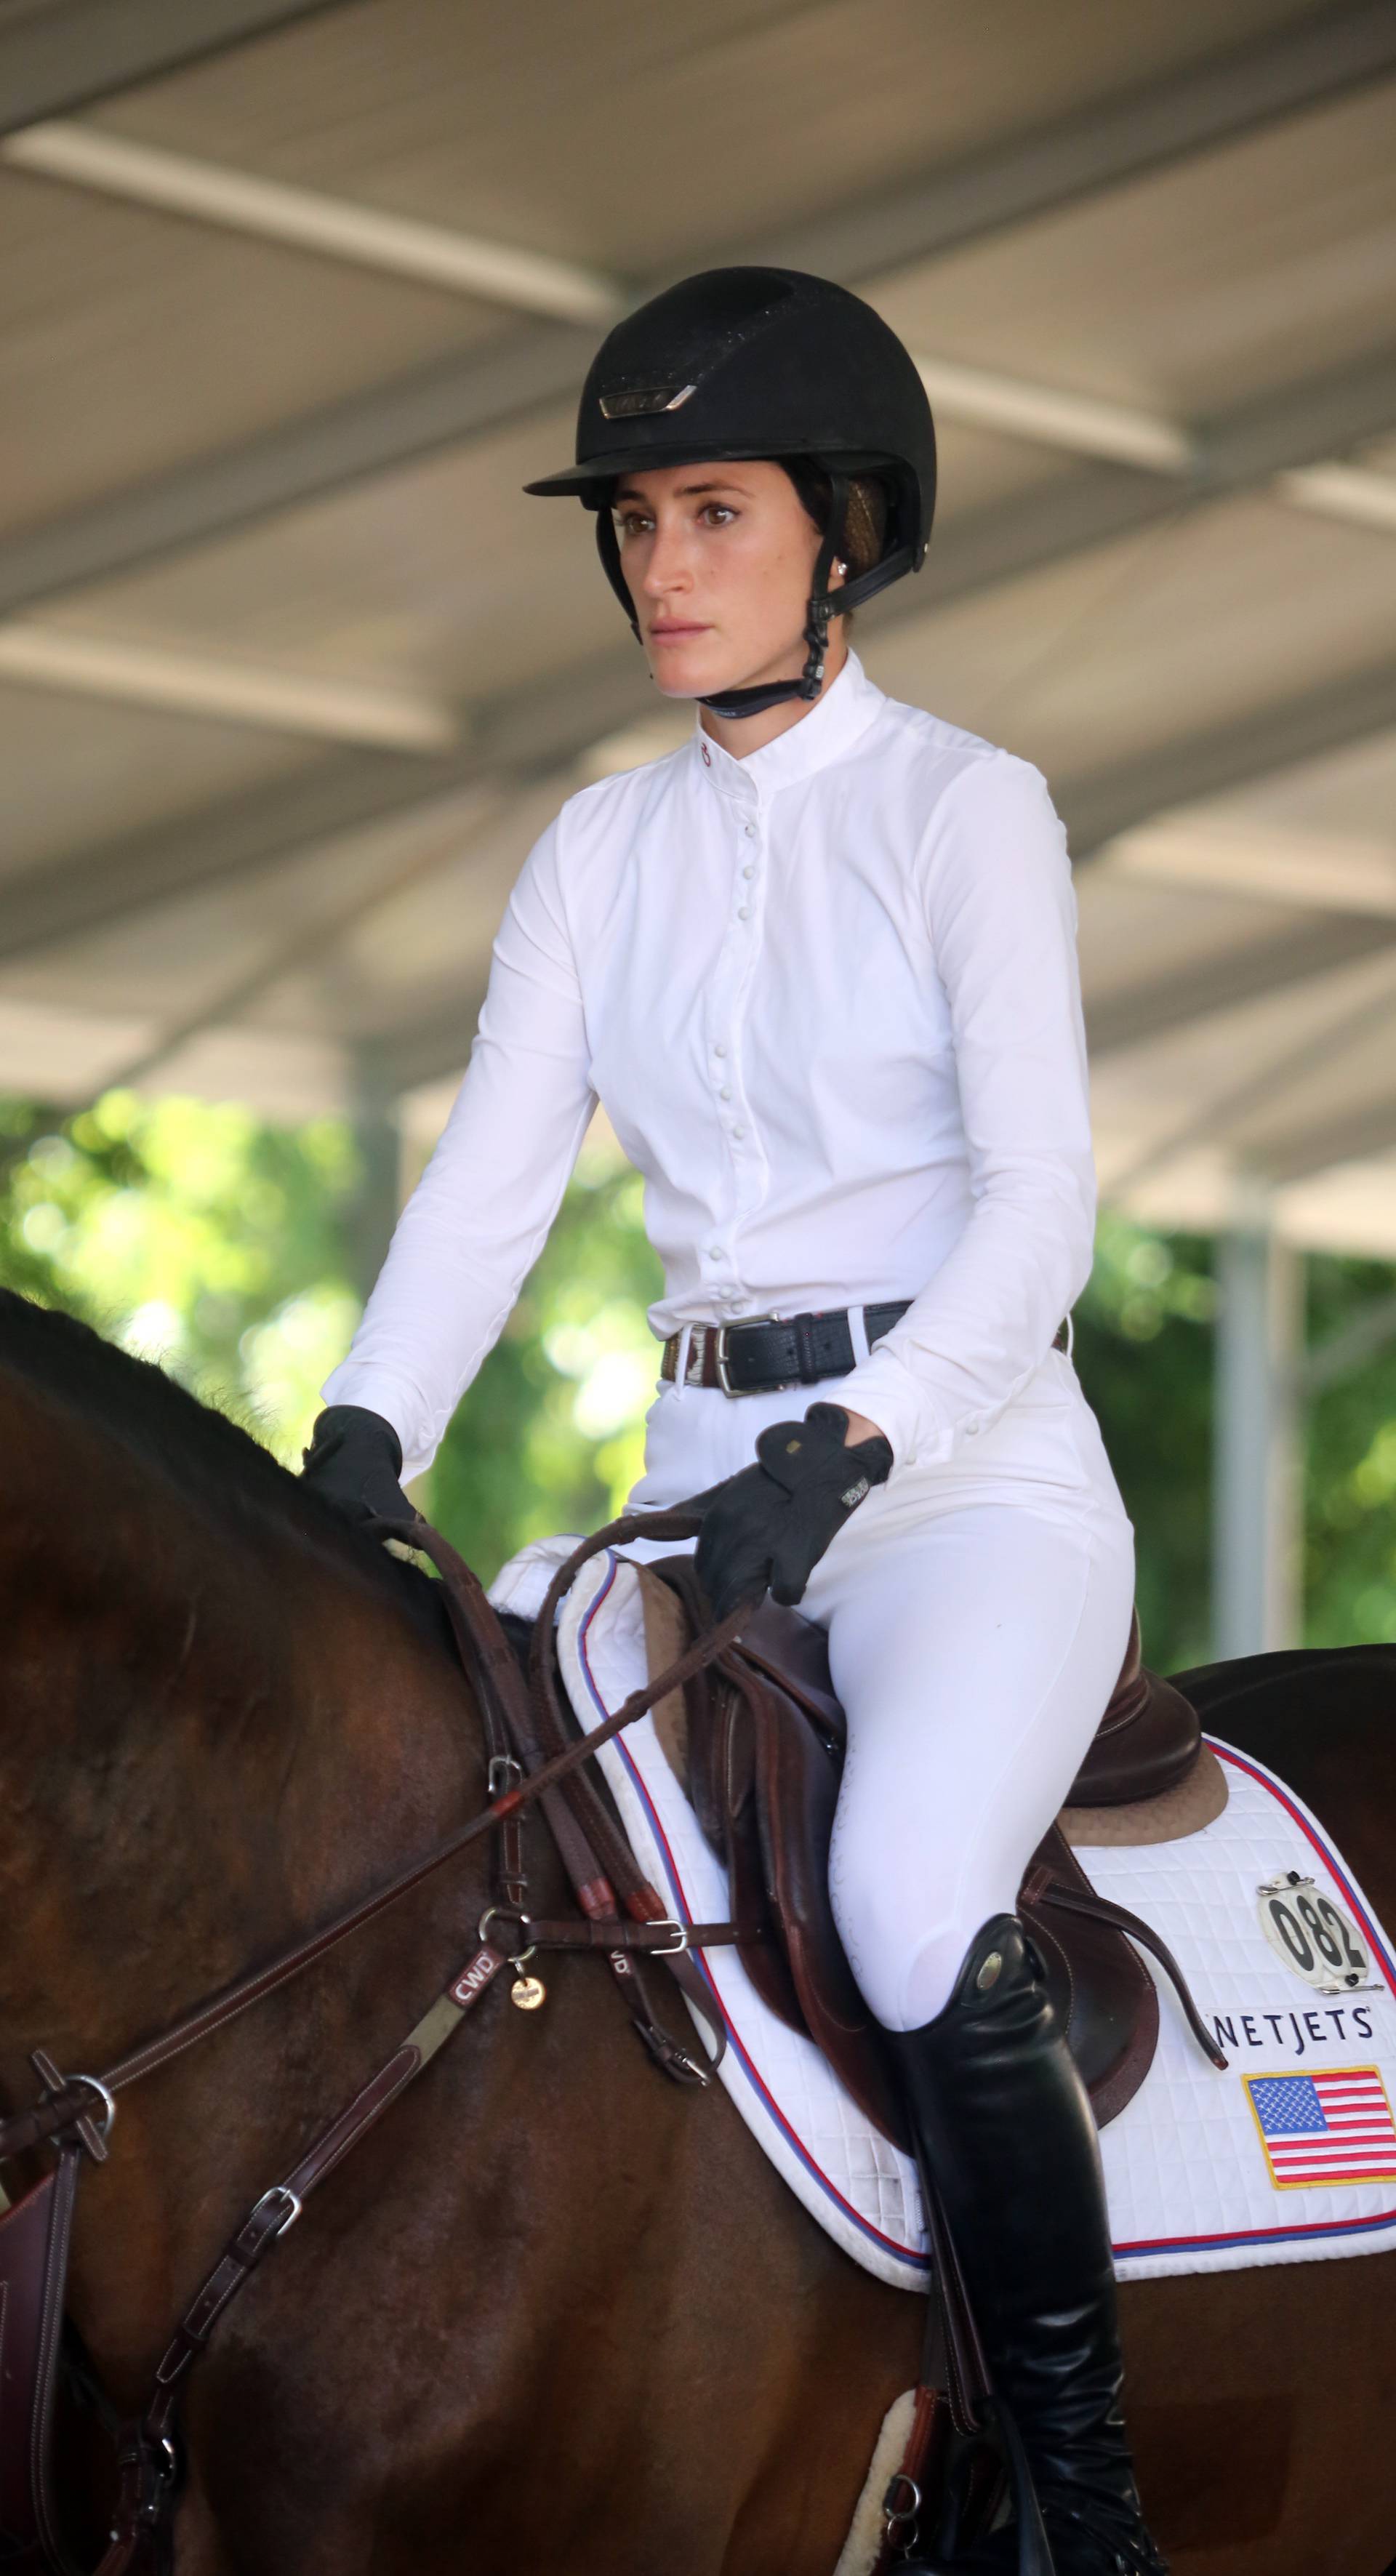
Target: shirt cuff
x: 378, y: 1390
x: 882, y: 1387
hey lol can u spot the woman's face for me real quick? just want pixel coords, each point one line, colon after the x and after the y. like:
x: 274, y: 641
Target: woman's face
x: 718, y: 560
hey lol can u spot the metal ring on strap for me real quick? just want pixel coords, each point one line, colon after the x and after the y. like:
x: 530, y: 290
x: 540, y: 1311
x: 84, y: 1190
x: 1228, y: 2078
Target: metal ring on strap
x: 95, y: 2085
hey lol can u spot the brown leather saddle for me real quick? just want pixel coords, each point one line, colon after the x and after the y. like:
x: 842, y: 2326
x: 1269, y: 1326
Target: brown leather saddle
x: 757, y: 1739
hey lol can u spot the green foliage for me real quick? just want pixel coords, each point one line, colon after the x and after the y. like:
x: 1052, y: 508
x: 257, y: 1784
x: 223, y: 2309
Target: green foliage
x: 196, y: 1236
x: 218, y: 1244
x: 1145, y: 1356
x: 1143, y: 1352
x: 551, y: 1434
x: 1350, y: 1486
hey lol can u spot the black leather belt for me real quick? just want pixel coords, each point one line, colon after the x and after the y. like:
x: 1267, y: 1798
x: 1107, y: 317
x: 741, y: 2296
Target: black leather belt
x: 770, y: 1351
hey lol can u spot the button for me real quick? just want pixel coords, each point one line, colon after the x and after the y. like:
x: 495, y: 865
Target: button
x: 726, y: 1092
x: 739, y: 1131
x: 714, y: 1252
x: 743, y: 912
x: 750, y: 831
x: 748, y: 872
x: 972, y: 1427
x: 719, y: 1049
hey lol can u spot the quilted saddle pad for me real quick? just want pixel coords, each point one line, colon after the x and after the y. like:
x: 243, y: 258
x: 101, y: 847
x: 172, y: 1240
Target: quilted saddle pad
x: 1289, y: 2156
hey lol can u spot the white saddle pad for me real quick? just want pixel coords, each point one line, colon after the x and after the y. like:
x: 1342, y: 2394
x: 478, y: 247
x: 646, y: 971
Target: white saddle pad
x: 1288, y: 2157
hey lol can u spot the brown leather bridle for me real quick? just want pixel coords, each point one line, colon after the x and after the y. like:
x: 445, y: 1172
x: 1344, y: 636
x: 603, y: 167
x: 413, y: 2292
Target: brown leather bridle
x: 534, y: 1758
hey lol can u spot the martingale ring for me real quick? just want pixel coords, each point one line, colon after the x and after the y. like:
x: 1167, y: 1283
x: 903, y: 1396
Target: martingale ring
x: 487, y: 1919
x: 95, y: 2085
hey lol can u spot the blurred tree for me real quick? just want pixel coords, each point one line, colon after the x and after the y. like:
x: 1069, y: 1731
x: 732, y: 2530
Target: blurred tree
x: 194, y: 1235
x: 1143, y: 1353
x: 1350, y: 1481
x: 204, y: 1238
x: 551, y: 1434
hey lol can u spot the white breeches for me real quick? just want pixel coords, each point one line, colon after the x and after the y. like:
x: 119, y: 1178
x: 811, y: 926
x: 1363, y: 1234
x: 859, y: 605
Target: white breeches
x: 977, y: 1614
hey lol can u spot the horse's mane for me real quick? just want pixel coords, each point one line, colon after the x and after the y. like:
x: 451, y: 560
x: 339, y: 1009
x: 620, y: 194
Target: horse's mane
x: 151, y: 1415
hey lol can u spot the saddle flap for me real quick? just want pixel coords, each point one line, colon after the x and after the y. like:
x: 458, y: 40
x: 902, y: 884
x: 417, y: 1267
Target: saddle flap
x: 1147, y: 1742
x: 709, y: 1742
x: 1100, y: 1985
x: 1106, y: 1998
x: 797, y: 1792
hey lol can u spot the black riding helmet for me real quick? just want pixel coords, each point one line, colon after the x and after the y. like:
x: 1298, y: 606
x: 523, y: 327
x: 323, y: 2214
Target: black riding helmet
x: 761, y: 362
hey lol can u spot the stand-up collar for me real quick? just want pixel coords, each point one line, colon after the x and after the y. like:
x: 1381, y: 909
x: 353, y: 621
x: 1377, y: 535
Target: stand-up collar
x: 844, y: 709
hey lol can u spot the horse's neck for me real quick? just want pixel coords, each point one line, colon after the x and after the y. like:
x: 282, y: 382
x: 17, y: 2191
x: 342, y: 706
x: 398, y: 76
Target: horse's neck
x: 209, y: 1746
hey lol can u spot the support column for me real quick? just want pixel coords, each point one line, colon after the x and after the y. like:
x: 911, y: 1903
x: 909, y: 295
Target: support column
x: 377, y: 1200
x: 1257, y: 1499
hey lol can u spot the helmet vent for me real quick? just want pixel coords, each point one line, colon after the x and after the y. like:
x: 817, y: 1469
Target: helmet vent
x: 631, y: 404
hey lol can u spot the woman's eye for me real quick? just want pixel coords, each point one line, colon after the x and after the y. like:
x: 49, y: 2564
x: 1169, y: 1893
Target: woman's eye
x: 719, y: 511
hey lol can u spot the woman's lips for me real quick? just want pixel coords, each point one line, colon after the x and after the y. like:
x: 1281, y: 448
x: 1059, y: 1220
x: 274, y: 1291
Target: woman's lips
x: 674, y: 634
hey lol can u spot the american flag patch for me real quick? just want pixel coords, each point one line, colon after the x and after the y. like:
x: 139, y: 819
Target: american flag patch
x: 1332, y: 2126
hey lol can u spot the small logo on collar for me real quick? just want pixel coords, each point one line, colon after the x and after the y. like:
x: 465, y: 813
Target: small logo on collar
x: 707, y: 755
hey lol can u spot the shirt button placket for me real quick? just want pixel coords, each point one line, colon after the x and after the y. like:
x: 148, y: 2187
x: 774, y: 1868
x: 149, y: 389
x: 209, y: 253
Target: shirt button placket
x: 750, y: 832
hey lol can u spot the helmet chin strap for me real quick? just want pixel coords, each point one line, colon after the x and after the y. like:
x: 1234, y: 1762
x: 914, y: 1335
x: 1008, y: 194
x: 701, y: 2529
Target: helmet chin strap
x: 822, y: 605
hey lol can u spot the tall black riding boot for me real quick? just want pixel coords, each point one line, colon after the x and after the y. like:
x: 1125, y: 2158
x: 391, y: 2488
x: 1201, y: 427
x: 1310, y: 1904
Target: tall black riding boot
x: 1005, y: 2132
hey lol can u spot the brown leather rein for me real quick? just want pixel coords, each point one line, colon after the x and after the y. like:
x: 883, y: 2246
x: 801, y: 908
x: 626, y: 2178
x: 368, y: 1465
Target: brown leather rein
x: 534, y: 1757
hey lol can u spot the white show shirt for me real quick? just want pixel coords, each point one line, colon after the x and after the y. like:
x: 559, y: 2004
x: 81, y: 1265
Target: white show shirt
x: 829, y: 997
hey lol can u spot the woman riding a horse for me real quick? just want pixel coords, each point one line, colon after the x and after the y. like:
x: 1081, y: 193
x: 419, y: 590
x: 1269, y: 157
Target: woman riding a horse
x: 820, y: 967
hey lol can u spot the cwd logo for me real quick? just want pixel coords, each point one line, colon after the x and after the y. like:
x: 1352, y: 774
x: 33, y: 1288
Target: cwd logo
x: 476, y: 1976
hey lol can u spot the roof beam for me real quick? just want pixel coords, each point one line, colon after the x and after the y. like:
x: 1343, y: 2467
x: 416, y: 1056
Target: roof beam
x: 535, y: 732
x: 525, y: 735
x: 195, y: 684
x: 1252, y: 445
x: 425, y: 1049
x: 390, y: 425
x: 1215, y: 1120
x: 1207, y: 103
x: 1352, y: 1137
x: 525, y: 281
x: 59, y: 59
x: 1201, y: 765
x: 1100, y: 806
x: 299, y: 461
x: 1156, y: 1008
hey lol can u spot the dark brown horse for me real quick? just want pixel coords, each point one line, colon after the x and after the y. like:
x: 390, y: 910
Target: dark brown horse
x: 555, y: 2314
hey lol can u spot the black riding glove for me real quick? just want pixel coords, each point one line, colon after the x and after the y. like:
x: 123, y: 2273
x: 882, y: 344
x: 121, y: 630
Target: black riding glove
x: 770, y: 1524
x: 355, y: 1460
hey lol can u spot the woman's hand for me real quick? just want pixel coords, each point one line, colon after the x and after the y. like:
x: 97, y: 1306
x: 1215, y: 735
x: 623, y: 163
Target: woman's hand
x: 770, y: 1524
x: 355, y: 1460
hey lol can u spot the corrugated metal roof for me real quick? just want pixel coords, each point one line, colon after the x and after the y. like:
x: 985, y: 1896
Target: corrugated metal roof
x: 291, y: 671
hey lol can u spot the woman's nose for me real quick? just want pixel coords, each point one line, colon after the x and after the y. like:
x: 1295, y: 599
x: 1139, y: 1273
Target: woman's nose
x: 667, y: 568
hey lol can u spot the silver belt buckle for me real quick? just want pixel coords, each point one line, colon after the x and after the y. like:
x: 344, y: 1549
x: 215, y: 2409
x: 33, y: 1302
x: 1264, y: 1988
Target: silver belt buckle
x: 720, y: 1351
